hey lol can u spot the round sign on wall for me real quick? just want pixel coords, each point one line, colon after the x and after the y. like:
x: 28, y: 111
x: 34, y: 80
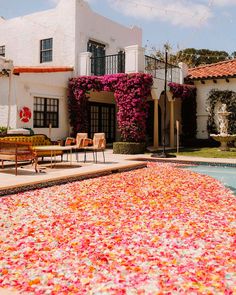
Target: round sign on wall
x: 25, y: 114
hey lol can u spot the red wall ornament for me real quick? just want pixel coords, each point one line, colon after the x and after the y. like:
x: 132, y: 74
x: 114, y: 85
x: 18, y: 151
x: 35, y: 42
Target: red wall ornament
x: 25, y: 114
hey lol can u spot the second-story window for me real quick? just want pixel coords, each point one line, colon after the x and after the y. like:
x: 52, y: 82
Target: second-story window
x: 2, y: 50
x: 46, y: 50
x: 98, y: 51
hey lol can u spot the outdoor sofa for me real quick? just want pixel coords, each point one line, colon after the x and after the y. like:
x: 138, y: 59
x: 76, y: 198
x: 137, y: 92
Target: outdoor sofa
x: 34, y: 140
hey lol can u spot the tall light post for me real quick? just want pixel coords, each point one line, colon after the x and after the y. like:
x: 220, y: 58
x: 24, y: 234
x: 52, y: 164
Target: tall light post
x: 163, y: 154
x: 165, y: 101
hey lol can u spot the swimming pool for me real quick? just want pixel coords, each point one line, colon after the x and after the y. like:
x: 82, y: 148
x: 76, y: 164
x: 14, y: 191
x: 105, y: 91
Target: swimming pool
x: 227, y: 175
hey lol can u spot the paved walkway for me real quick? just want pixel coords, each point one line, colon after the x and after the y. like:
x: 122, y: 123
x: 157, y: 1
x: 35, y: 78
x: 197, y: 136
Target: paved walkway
x: 80, y: 170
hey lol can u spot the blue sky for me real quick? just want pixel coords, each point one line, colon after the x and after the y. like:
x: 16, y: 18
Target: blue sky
x: 183, y: 23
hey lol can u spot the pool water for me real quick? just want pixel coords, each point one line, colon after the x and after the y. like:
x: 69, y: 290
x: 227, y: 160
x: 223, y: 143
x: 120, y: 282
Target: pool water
x: 227, y: 175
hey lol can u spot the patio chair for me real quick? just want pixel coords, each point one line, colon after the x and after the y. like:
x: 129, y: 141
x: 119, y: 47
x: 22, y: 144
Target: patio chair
x: 99, y: 145
x: 80, y: 143
x: 69, y: 141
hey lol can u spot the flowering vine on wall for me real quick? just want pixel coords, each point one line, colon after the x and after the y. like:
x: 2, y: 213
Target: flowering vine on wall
x: 130, y: 91
x: 188, y: 108
x: 221, y: 96
x: 183, y: 91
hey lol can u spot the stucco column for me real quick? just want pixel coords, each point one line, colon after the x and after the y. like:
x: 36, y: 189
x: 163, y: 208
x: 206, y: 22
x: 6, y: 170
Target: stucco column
x: 156, y: 127
x: 134, y: 59
x: 172, y: 122
x: 183, y: 72
x: 85, y: 63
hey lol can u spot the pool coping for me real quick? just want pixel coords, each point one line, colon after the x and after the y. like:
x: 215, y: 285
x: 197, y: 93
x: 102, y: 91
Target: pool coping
x: 142, y: 159
x: 20, y: 188
x: 185, y: 161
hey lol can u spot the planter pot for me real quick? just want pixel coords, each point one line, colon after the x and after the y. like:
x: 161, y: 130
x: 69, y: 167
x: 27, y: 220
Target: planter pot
x: 129, y: 148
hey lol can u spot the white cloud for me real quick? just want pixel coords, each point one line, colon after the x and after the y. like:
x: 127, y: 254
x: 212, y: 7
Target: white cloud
x: 57, y: 1
x: 177, y: 12
x: 54, y: 1
x: 224, y: 2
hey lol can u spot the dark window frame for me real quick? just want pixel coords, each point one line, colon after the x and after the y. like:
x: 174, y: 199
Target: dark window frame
x: 98, y: 60
x: 46, y: 50
x: 93, y: 45
x: 101, y: 122
x: 3, y: 50
x: 46, y: 111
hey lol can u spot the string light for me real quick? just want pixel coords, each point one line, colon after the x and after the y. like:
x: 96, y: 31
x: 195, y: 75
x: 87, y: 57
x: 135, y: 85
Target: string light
x: 190, y: 57
x: 151, y: 49
x: 198, y: 55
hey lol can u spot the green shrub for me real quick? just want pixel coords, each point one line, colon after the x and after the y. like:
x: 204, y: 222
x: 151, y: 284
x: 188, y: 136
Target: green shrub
x: 129, y: 148
x: 227, y: 97
x: 3, y: 130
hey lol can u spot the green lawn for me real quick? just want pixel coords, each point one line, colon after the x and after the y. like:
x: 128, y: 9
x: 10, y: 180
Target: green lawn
x: 207, y: 152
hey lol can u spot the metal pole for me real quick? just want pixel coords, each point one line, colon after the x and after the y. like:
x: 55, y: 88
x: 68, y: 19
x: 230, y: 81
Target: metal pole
x: 177, y: 128
x: 163, y: 154
x: 165, y: 100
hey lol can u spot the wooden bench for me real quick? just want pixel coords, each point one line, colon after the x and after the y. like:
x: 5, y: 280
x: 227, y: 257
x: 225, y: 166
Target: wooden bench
x: 17, y: 152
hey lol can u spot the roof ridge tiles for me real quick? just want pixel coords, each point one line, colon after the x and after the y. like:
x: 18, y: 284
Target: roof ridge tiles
x: 216, y: 70
x: 213, y: 64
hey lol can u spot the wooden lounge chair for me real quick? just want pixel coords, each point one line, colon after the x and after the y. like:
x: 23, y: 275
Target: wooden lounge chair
x: 69, y: 141
x: 99, y: 145
x: 80, y: 143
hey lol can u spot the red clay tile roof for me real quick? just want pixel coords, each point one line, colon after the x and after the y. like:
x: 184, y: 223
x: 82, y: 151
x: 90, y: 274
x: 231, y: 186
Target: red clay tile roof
x: 18, y: 70
x: 222, y: 69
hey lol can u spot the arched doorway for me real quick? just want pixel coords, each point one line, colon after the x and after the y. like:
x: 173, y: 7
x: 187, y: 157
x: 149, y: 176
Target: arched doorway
x: 163, y: 123
x: 150, y: 124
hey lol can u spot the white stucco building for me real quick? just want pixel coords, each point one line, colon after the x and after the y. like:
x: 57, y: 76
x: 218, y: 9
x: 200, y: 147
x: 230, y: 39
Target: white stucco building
x: 53, y: 40
x: 64, y: 33
x: 219, y: 76
x: 49, y: 47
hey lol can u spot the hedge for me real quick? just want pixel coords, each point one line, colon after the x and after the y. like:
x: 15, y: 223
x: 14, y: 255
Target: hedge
x: 129, y: 148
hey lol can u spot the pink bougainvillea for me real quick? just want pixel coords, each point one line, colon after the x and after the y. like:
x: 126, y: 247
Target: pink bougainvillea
x: 78, y: 101
x: 182, y: 90
x: 130, y: 91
